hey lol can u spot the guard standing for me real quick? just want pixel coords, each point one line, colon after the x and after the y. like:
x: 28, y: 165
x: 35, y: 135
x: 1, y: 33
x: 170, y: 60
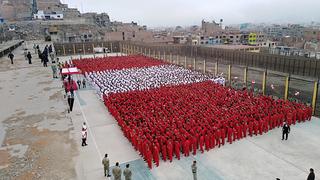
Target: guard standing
x: 194, y: 170
x: 285, y: 130
x: 11, y: 56
x: 106, y: 165
x: 127, y: 173
x: 116, y: 172
x: 29, y: 57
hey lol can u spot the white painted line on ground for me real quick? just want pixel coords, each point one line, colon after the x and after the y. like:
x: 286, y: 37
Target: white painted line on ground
x: 91, y: 134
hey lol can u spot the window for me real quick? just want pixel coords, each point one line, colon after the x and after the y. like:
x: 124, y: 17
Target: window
x: 231, y: 37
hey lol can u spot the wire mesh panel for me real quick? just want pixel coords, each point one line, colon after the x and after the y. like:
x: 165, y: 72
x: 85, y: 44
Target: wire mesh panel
x: 254, y: 81
x: 300, y: 90
x: 190, y: 63
x: 200, y: 64
x: 275, y: 85
x: 210, y: 67
x: 237, y: 77
x: 79, y: 48
x: 223, y: 70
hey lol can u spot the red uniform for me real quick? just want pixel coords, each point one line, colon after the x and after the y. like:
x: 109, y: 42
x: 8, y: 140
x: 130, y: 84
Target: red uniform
x: 186, y: 147
x: 250, y: 128
x: 223, y: 136
x: 230, y: 131
x: 218, y: 136
x: 207, y: 142
x: 170, y: 150
x: 260, y: 127
x: 245, y: 129
x: 156, y: 155
x: 201, y: 143
x: 164, y: 152
x: 149, y: 158
x: 213, y: 140
x: 194, y: 145
x: 177, y: 149
x: 255, y: 128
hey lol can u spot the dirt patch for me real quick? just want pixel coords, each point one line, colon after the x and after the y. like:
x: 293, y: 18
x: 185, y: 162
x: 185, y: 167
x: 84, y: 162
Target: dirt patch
x: 47, y: 150
x: 44, y: 82
x: 47, y: 89
x: 21, y: 113
x: 4, y: 158
x: 56, y: 96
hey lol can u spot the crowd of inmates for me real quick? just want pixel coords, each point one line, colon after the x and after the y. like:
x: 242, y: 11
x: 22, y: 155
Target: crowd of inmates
x: 115, y: 63
x: 192, y: 118
x: 193, y: 114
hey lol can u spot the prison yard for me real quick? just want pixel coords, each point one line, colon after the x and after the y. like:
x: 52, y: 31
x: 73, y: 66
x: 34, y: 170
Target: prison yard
x: 158, y: 109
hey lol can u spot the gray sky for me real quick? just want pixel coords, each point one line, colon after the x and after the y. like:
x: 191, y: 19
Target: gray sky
x: 189, y: 12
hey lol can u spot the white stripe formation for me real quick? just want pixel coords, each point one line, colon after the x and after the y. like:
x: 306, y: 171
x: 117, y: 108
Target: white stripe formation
x: 119, y: 81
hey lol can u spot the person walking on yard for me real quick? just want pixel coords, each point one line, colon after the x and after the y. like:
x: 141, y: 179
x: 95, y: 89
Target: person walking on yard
x: 311, y: 175
x: 106, y: 165
x: 84, y: 135
x: 285, y: 130
x: 54, y: 69
x: 35, y: 48
x: 127, y: 173
x: 83, y: 83
x: 79, y: 83
x: 116, y: 172
x: 11, y: 56
x: 29, y: 57
x: 51, y: 56
x: 194, y: 170
x: 70, y: 100
x: 84, y: 126
x: 45, y: 60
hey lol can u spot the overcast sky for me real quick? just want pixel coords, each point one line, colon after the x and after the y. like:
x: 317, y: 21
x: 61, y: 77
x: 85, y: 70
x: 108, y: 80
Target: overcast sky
x: 190, y: 12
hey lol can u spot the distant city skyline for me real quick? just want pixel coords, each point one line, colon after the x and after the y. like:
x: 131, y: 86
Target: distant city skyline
x: 168, y: 13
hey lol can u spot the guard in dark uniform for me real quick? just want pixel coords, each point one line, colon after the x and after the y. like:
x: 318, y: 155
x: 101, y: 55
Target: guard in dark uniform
x: 285, y: 130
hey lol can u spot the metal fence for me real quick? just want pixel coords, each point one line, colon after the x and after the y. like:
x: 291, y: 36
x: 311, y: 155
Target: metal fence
x: 296, y: 65
x: 64, y: 49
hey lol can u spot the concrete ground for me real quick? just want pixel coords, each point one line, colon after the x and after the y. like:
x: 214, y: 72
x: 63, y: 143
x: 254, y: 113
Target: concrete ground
x: 40, y: 140
x: 36, y: 139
